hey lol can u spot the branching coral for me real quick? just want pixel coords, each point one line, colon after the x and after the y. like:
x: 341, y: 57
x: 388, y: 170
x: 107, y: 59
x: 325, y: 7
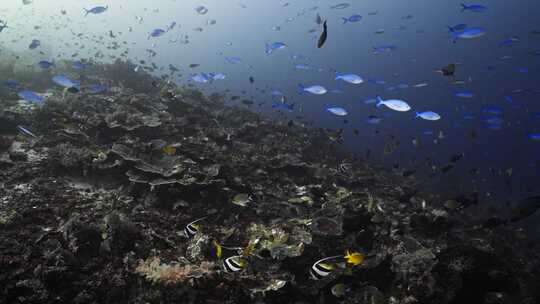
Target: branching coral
x: 153, y: 270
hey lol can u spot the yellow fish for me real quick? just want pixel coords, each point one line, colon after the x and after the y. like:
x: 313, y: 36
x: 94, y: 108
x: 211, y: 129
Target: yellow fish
x: 354, y: 258
x: 169, y: 150
x: 219, y: 250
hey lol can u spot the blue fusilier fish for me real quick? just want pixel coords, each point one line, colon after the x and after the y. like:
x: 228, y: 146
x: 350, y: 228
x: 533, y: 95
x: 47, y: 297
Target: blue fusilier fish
x: 350, y: 78
x: 314, y: 89
x: 44, y: 64
x: 534, y: 136
x: 25, y: 131
x: 156, y: 33
x: 302, y: 66
x: 353, y: 18
x: 509, y: 42
x: 457, y: 27
x: 34, y: 44
x: 384, y: 49
x: 464, y: 94
x: 200, y: 77
x: 477, y: 8
x: 30, y: 96
x: 373, y: 120
x: 428, y: 115
x: 172, y: 26
x: 340, y: 6
x: 79, y: 65
x: 201, y: 10
x: 492, y: 110
x: 233, y: 60
x: 217, y: 76
x: 12, y: 84
x: 97, y: 89
x: 96, y: 10
x: 65, y: 82
x: 394, y: 104
x: 337, y: 111
x: 283, y: 106
x: 270, y: 47
x: 468, y: 33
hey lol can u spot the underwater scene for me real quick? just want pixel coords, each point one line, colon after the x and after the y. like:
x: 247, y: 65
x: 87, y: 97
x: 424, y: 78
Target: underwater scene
x: 270, y: 151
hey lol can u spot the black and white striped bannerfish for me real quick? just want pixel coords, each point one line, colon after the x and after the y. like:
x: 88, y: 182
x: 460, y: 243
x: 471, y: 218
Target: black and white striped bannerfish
x: 234, y: 263
x: 320, y: 269
x: 193, y: 228
x: 343, y: 168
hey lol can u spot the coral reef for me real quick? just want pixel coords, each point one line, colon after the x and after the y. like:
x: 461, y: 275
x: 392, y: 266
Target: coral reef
x: 135, y: 197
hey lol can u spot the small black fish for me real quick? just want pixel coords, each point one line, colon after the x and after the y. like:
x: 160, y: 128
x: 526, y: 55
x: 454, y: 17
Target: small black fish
x: 251, y: 79
x: 408, y: 173
x: 194, y: 65
x: 494, y: 222
x: 456, y: 158
x: 318, y: 20
x: 448, y: 70
x: 73, y: 90
x: 324, y: 35
x: 447, y: 168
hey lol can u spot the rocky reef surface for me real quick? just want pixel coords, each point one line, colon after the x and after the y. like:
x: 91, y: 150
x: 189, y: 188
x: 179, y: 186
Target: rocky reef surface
x: 94, y: 209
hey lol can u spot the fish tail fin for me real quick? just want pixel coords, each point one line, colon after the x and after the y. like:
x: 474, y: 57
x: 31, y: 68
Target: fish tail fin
x: 381, y: 102
x: 345, y: 20
x: 417, y: 115
x: 86, y: 11
x: 301, y: 89
x: 464, y: 7
x: 450, y: 29
x: 267, y: 50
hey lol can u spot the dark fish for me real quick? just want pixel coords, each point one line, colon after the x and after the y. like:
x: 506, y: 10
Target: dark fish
x: 447, y: 168
x: 324, y: 35
x: 194, y: 65
x: 448, y: 70
x: 73, y: 90
x: 318, y: 20
x: 525, y: 208
x: 3, y: 25
x: 456, y: 158
x: 408, y: 173
x: 466, y: 200
x: 251, y: 79
x: 522, y: 210
x: 494, y: 222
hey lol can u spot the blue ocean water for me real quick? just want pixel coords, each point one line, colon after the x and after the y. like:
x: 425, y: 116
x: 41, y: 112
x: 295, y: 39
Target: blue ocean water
x: 396, y: 47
